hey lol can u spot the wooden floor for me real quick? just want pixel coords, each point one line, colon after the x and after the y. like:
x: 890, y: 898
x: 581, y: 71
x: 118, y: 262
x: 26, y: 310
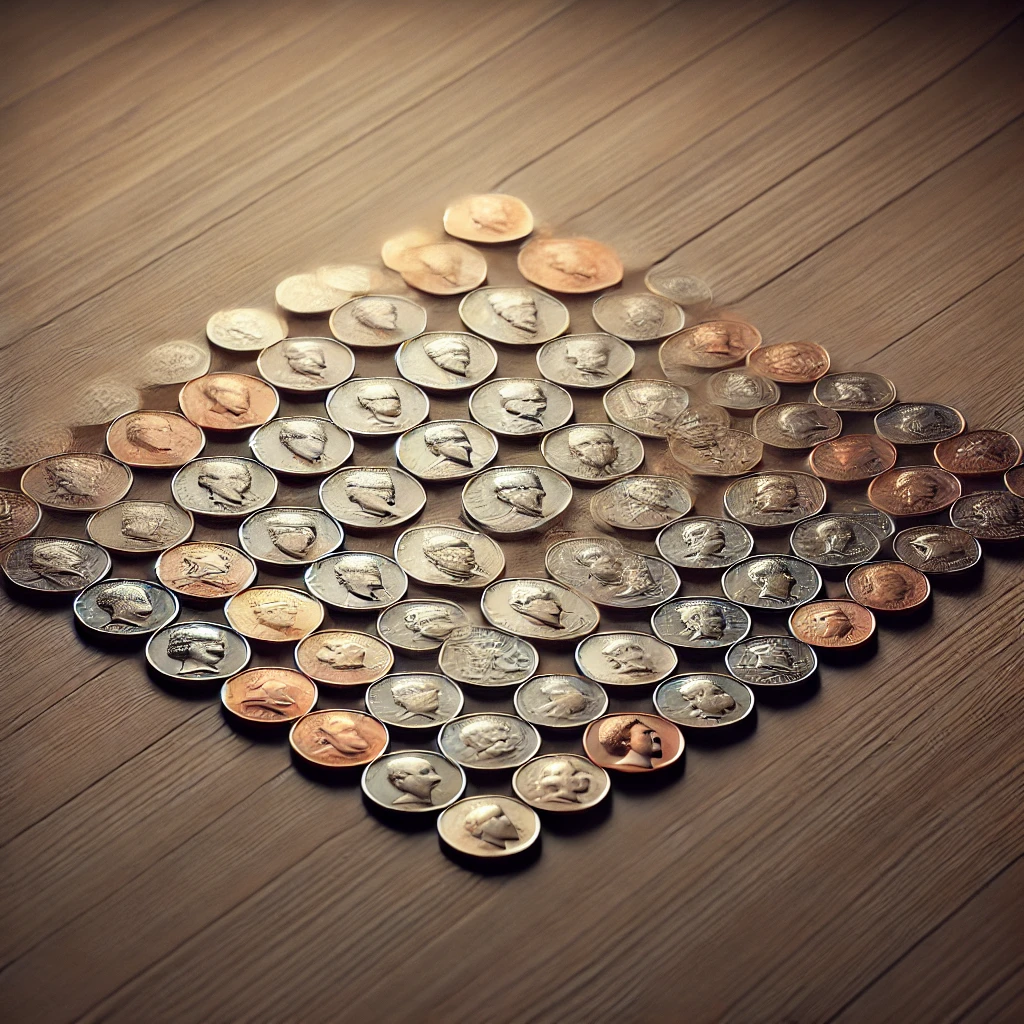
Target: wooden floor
x: 848, y: 173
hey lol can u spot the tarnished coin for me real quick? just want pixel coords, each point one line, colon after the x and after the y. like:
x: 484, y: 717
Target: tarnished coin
x: 372, y: 497
x: 223, y: 486
x: 376, y: 406
x: 490, y: 217
x: 834, y: 539
x: 19, y: 515
x: 593, y: 452
x: 301, y: 445
x: 852, y: 457
x: 377, y: 321
x: 855, y: 392
x: 741, y: 390
x: 125, y: 607
x: 481, y: 656
x: 245, y: 330
x: 414, y: 700
x: 436, y: 266
x: 309, y: 294
x: 306, y: 365
x: 140, y: 527
x: 710, y: 345
x: 539, y: 609
x: 771, y: 660
x: 919, y: 423
x: 585, y: 360
x: 625, y: 658
x: 637, y: 316
x: 516, y: 499
x: 76, y: 482
x: 338, y: 738
x: 704, y: 542
x: 520, y: 406
x: 289, y: 536
x: 689, y: 291
x: 54, y: 565
x: 446, y: 360
x: 343, y: 657
x: 420, y: 624
x: 694, y: 422
x: 641, y: 503
x: 151, y: 438
x: 269, y: 695
x: 198, y: 652
x: 913, y: 490
x: 489, y: 741
x: 601, y: 569
x: 560, y: 702
x: 561, y: 782
x: 771, y: 582
x: 205, y: 570
x: 978, y: 452
x: 881, y: 523
x: 633, y: 742
x: 796, y: 425
x: 703, y: 700
x: 276, y: 615
x: 228, y: 401
x: 446, y: 449
x: 574, y: 265
x: 790, y: 362
x: 1014, y: 480
x: 449, y: 556
x: 704, y: 623
x: 715, y: 451
x: 514, y: 316
x: 489, y: 826
x: 835, y: 624
x: 990, y: 515
x: 357, y: 581
x: 774, y: 499
x: 413, y: 781
x: 173, y: 362
x: 647, y: 407
x: 888, y: 586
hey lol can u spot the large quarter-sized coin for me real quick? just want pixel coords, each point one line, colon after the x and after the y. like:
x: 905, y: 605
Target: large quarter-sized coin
x: 343, y: 657
x: 712, y: 344
x: 913, y: 490
x: 689, y: 291
x: 173, y: 362
x: 593, y: 452
x: 489, y: 741
x: 539, y: 609
x: 715, y: 451
x: 703, y: 623
x: 520, y: 406
x: 289, y: 536
x: 420, y: 624
x: 888, y: 586
x: 76, y: 482
x: 855, y: 392
x: 413, y: 781
x: 309, y: 294
x: 990, y: 515
x: 937, y: 548
x: 449, y: 556
x: 641, y: 503
x: 269, y: 696
x: 883, y: 524
x: 301, y: 445
x: 357, y: 581
x: 771, y: 661
x: 790, y: 362
x: 585, y: 360
x: 245, y: 330
x: 372, y: 497
x: 561, y: 782
x: 834, y: 539
x: 306, y: 365
x: 125, y: 607
x: 488, y: 217
x: 197, y: 652
x: 559, y: 701
x: 414, y: 700
x: 625, y: 658
x: 704, y: 542
x: 488, y: 826
x: 978, y: 452
x: 774, y: 499
x: 436, y: 266
x: 852, y: 457
x: 276, y: 615
x: 1014, y: 480
x: 796, y: 425
x: 205, y: 570
x: 338, y: 738
x: 481, y: 656
x: 919, y: 423
x: 446, y: 449
x: 54, y: 565
x: 516, y: 499
x: 741, y: 390
x: 771, y: 582
x: 647, y: 407
x: 575, y: 265
x: 514, y: 316
x: 637, y: 316
x: 140, y: 527
x: 377, y: 321
x: 446, y: 360
x: 835, y: 624
x: 228, y: 401
x: 633, y: 742
x: 152, y: 438
x: 376, y: 406
x: 703, y: 700
x: 19, y: 515
x: 224, y: 486
x: 697, y: 419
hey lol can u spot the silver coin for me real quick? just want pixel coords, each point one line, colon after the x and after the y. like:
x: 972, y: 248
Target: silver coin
x: 289, y: 536
x: 446, y: 449
x: 796, y: 425
x: 301, y: 445
x: 637, y: 316
x: 641, y: 503
x: 539, y: 609
x: 689, y: 291
x: 140, y: 527
x: 245, y: 330
x: 520, y: 406
x: 197, y: 651
x: 306, y: 365
x: 54, y: 565
x: 918, y: 423
x: 854, y: 392
x: 741, y: 390
x: 771, y: 582
x: 625, y: 658
x: 516, y: 499
x: 561, y: 782
x: 703, y: 700
x: 647, y: 407
x: 309, y: 294
x: 372, y: 497
x: 357, y: 581
x: 704, y: 542
x: 414, y: 700
x: 989, y: 515
x: 560, y: 702
x: 173, y: 362
x: 377, y: 406
x: 593, y: 452
x: 514, y: 315
x: 771, y: 660
x: 700, y: 622
x: 449, y: 556
x: 446, y: 360
x: 343, y: 657
x: 125, y: 607
x: 833, y: 539
x: 223, y: 486
x: 420, y: 624
x: 585, y: 360
x: 377, y: 321
x: 481, y: 656
x: 881, y: 523
x: 76, y: 482
x: 937, y: 548
x: 489, y: 741
x: 774, y: 499
x: 19, y: 515
x: 601, y: 569
x: 413, y: 781
x: 698, y: 420
x: 489, y: 826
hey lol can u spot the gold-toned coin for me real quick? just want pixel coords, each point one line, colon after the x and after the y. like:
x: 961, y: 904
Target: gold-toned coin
x: 710, y: 345
x: 633, y: 742
x: 338, y: 738
x: 741, y: 390
x: 790, y: 362
x: 276, y: 615
x: 834, y: 624
x: 343, y: 657
x: 637, y: 316
x: 913, y: 490
x: 245, y: 330
x: 76, y: 482
x: 888, y: 586
x: 140, y: 527
x: 492, y: 217
x: 852, y: 457
x: 306, y: 365
x: 269, y: 696
x: 716, y: 451
x: 228, y: 401
x: 574, y: 265
x: 152, y: 438
x: 309, y: 295
x: 435, y: 265
x: 377, y: 321
x: 796, y: 425
x: 203, y: 571
x: 978, y: 452
x: 19, y: 515
x: 514, y: 316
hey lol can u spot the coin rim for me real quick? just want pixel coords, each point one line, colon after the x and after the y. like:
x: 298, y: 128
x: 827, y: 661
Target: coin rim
x: 162, y: 412
x: 579, y: 808
x: 38, y: 519
x: 266, y: 640
x: 197, y: 683
x: 555, y: 725
x: 145, y: 551
x: 96, y: 630
x: 410, y: 808
x: 705, y: 728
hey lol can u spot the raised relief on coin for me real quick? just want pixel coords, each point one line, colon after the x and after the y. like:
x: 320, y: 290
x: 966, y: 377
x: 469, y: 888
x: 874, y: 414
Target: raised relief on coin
x: 771, y: 582
x: 151, y: 438
x: 309, y: 294
x: 342, y: 657
x: 697, y: 419
x: 516, y: 499
x: 881, y: 523
x: 1014, y: 480
x: 446, y: 360
x: 374, y: 406
x: 420, y: 624
x: 277, y: 615
x: 539, y: 609
x: 514, y: 316
x: 338, y: 738
x: 990, y: 515
x: 937, y: 548
x: 638, y: 316
x: 414, y: 700
x: 700, y: 622
x: 625, y: 658
x: 224, y: 486
x: 377, y: 321
x: 488, y: 826
x: 357, y: 581
x: 688, y: 291
x: 413, y: 781
x: 585, y: 360
x: 834, y: 624
x: 269, y: 696
x: 561, y: 782
x: 575, y: 265
x: 489, y: 217
x: 919, y: 423
x: 741, y: 390
x: 647, y: 407
x: 714, y: 451
x: 703, y: 700
x: 289, y: 536
x: 125, y: 607
x: 633, y: 743
x: 173, y: 362
x: 855, y: 392
x: 205, y: 570
x: 559, y: 701
x: 76, y: 482
x: 197, y: 652
x: 913, y: 490
x: 436, y: 266
x: 774, y: 499
x: 641, y: 503
x: 771, y: 661
x: 446, y: 449
x: 372, y: 497
x: 19, y: 515
x: 306, y: 365
x: 888, y: 586
x: 704, y: 542
x: 54, y: 565
x: 301, y: 445
x: 245, y: 330
x: 796, y: 425
x: 852, y: 457
x: 712, y: 344
x: 834, y: 540
x: 228, y: 401
x: 978, y: 452
x: 790, y: 362
x: 593, y: 452
x: 489, y: 741
x: 449, y: 556
x: 520, y: 406
x: 140, y: 527
x: 481, y: 656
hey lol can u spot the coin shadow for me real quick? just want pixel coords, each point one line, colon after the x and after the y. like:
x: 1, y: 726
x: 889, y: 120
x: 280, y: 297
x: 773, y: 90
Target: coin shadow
x: 115, y: 642
x: 266, y: 733
x: 194, y: 689
x: 713, y: 739
x: 910, y: 619
x: 508, y: 865
x: 1008, y: 549
x: 793, y: 695
x: 333, y: 778
x: 848, y: 656
x: 411, y: 824
x: 578, y: 822
x: 648, y: 783
x: 964, y: 582
x: 42, y: 599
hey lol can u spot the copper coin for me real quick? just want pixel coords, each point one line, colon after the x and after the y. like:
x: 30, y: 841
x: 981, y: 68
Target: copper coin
x: 19, y: 516
x: 711, y: 345
x: 570, y: 264
x: 790, y: 362
x: 228, y: 401
x: 852, y: 457
x: 140, y: 527
x: 796, y: 425
x: 277, y: 615
x: 919, y: 423
x: 245, y: 330
x: 1014, y: 480
x: 491, y: 217
x: 913, y: 490
x: 990, y: 515
x: 269, y: 695
x: 76, y: 482
x: 832, y: 623
x: 152, y: 438
x: 716, y: 451
x: 205, y: 570
x: 437, y: 266
x: 978, y: 452
x: 888, y: 586
x: 343, y: 657
x: 855, y: 392
x: 937, y: 548
x: 633, y: 742
x: 741, y: 390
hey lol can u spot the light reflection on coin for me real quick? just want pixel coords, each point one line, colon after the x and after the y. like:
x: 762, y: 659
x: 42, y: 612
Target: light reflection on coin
x: 268, y: 696
x: 152, y: 438
x: 289, y: 536
x: 647, y: 407
x: 918, y: 423
x: 306, y: 365
x: 1014, y: 480
x: 625, y: 658
x: 76, y: 482
x: 741, y: 390
x: 790, y: 362
x: 173, y: 362
x: 854, y: 392
x: 140, y: 527
x: 377, y: 321
x: 491, y: 217
x: 437, y: 266
x: 449, y: 556
x: 301, y: 445
x: 516, y: 499
x: 703, y: 623
x: 585, y: 360
x: 704, y: 542
x: 514, y: 316
x: 125, y: 607
x: 205, y: 570
x: 832, y: 624
x: 418, y: 625
x: 357, y: 581
x: 446, y: 360
x: 309, y: 295
x: 559, y: 701
x: 852, y: 457
x: 19, y: 515
x: 633, y: 742
x: 245, y: 330
x: 913, y: 490
x: 575, y: 265
x: 197, y: 652
x: 446, y: 449
x: 520, y: 406
x: 990, y: 515
x: 796, y: 425
x: 641, y: 503
x: 690, y: 292
x: 561, y: 783
x: 888, y: 586
x: 637, y: 316
x: 774, y: 499
x: 277, y: 615
x: 341, y: 657
x: 372, y: 497
x: 978, y: 452
x: 414, y: 700
x: 488, y: 826
x: 771, y: 661
x: 489, y: 741
x: 712, y: 344
x: 715, y: 451
x: 697, y: 420
x: 54, y: 565
x: 481, y: 656
x: 223, y: 486
x: 539, y: 609
x: 834, y: 540
x: 882, y: 524
x: 703, y: 700
x: 377, y: 406
x: 355, y: 278
x: 771, y: 582
x: 413, y: 781
x: 338, y: 738
x: 593, y: 452
x: 228, y: 401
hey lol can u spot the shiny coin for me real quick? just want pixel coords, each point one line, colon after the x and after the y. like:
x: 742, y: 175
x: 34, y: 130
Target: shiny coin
x: 276, y: 615
x: 790, y: 362
x: 796, y: 425
x: 197, y: 652
x: 883, y: 525
x: 413, y: 781
x: 357, y: 581
x: 704, y: 542
x: 919, y: 423
x: 593, y: 452
x: 637, y: 316
x: 140, y: 527
x: 269, y: 695
x: 439, y: 267
x: 574, y: 265
x: 342, y: 657
x: 420, y: 624
x: 372, y: 497
x: 377, y: 321
x: 771, y: 661
x: 647, y: 407
x: 309, y: 295
x: 516, y: 499
x: 560, y: 702
x: 1014, y: 480
x: 414, y: 700
x: 54, y: 565
x: 888, y: 586
x: 703, y: 700
x: 446, y: 360
x: 514, y: 316
x: 205, y: 570
x: 835, y: 624
x: 489, y: 741
x: 711, y: 345
x: 625, y: 658
x: 716, y: 451
x: 641, y: 503
x: 446, y: 449
x: 449, y: 556
x: 76, y: 482
x: 689, y: 291
x: 741, y: 390
x: 19, y: 515
x: 306, y: 365
x: 561, y: 782
x: 289, y: 536
x: 585, y: 360
x: 488, y: 826
x: 481, y: 656
x: 338, y: 738
x: 633, y: 743
x: 125, y: 607
x: 173, y: 362
x: 301, y: 445
x: 224, y: 486
x: 154, y: 439
x: 538, y: 609
x: 771, y: 582
x: 228, y: 401
x: 491, y: 217
x: 855, y: 392
x: 376, y: 406
x: 913, y: 490
x: 978, y: 452
x: 774, y: 499
x: 704, y: 623
x: 833, y: 539
x: 520, y: 406
x: 852, y: 457
x: 245, y: 330
x: 990, y: 515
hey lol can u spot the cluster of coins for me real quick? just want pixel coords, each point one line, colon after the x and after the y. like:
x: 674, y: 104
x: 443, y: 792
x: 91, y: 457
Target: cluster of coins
x: 724, y: 359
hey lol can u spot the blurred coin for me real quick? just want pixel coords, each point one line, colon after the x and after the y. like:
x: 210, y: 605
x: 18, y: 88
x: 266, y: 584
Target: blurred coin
x: 647, y: 407
x: 913, y: 490
x: 289, y: 536
x: 711, y: 344
x: 689, y: 291
x: 481, y: 656
x: 835, y: 624
x: 539, y: 609
x: 772, y: 582
x: 268, y: 695
x: 694, y: 422
x: 343, y: 657
x: 593, y: 452
x: 446, y: 449
x: 22, y: 444
x: 790, y: 362
x: 125, y: 607
x: 637, y: 316
x: 54, y: 565
x: 559, y: 701
x: 561, y: 782
x: 641, y: 503
x: 357, y: 581
x: 372, y: 497
x: 223, y: 486
x: 574, y: 265
x: 446, y: 360
x: 990, y: 515
x: 918, y: 423
x: 741, y: 390
x: 153, y: 438
x: 488, y: 826
x: 833, y: 539
x: 377, y: 321
x: 355, y: 278
x: 101, y: 401
x: 516, y: 499
x: 449, y: 556
x: 625, y: 658
x: 703, y: 700
x: 413, y: 781
x: 205, y: 570
x: 437, y: 266
x: 1014, y: 480
x: 585, y: 360
x: 633, y: 742
x: 277, y: 615
x: 306, y: 365
x: 491, y: 217
x: 228, y: 401
x: 489, y: 741
x: 420, y: 624
x: 704, y: 542
x: 774, y: 499
x: 520, y: 406
x: 514, y: 316
x: 771, y: 661
x: 796, y: 425
x: 852, y: 457
x: 245, y: 330
x: 197, y: 652
x: 414, y: 700
x: 338, y: 738
x: 703, y: 623
x: 937, y: 548
x: 301, y: 445
x: 716, y: 451
x: 140, y: 527
x: 19, y: 515
x: 888, y: 586
x: 309, y: 295
x: 855, y: 392
x: 377, y: 406
x: 173, y: 362
x: 76, y: 482
x: 978, y: 452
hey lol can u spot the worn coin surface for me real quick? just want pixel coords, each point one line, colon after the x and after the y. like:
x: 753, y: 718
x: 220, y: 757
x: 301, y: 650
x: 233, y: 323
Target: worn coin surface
x: 774, y: 499
x: 561, y: 782
x: 888, y: 586
x: 852, y: 457
x: 692, y: 293
x: 338, y: 738
x: 741, y: 390
x: 704, y: 542
x: 771, y: 581
x: 301, y: 445
x: 269, y: 695
x: 712, y: 344
x: 436, y: 266
x: 790, y: 362
x: 919, y: 423
x: 173, y: 362
x: 978, y: 452
x: 376, y: 406
x: 309, y: 294
x: 560, y: 701
x: 125, y: 607
x: 489, y: 826
x: 575, y: 265
x: 152, y: 438
x: 937, y: 548
x: 520, y: 406
x: 488, y: 217
x: 449, y: 556
x: 446, y: 449
x: 990, y: 515
x: 19, y: 515
x: 834, y: 539
x: 377, y: 321
x: 342, y: 657
x: 223, y: 486
x: 372, y: 497
x: 446, y: 360
x: 633, y: 742
x: 76, y: 482
x: 593, y: 452
x: 277, y: 615
x: 703, y: 623
x: 514, y: 316
x: 880, y: 522
x: 516, y: 499
x: 855, y: 392
x: 625, y: 658
x: 140, y: 527
x: 539, y: 609
x: 306, y: 365
x: 414, y: 700
x: 245, y: 330
x: 913, y: 490
x: 796, y: 425
x: 357, y: 581
x: 489, y: 741
x: 703, y: 700
x: 197, y: 651
x: 289, y: 536
x: 413, y: 781
x: 835, y: 624
x: 697, y: 419
x: 228, y: 401
x: 205, y: 570
x: 585, y: 360
x: 420, y: 624
x: 715, y: 451
x: 641, y: 503
x: 54, y: 565
x: 481, y: 656
x: 647, y: 407
x: 771, y: 660
x: 1014, y: 480
x: 637, y: 316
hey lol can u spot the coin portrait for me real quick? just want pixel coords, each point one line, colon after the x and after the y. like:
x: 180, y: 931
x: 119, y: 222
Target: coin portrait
x: 771, y: 581
x: 301, y: 445
x: 520, y: 406
x: 990, y: 515
x: 633, y: 743
x: 490, y: 218
x: 741, y: 390
x: 357, y: 581
x: 228, y: 401
x: 197, y: 652
x: 306, y: 365
x: 377, y: 321
x: 514, y: 316
x: 414, y: 700
x: 19, y: 515
x: 692, y: 293
x: 173, y: 362
x: 223, y: 486
x: 446, y: 360
x: 937, y: 548
x: 538, y: 609
x: 593, y: 452
x: 449, y: 556
x: 245, y: 330
x: 76, y: 482
x: 854, y: 392
x: 374, y: 406
x: 417, y: 625
x: 700, y: 622
x: 205, y: 570
x: 647, y: 407
x: 436, y: 266
x: 338, y: 738
x: 774, y: 499
x: 488, y: 826
x: 852, y: 457
x: 575, y: 265
x: 140, y: 527
x: 978, y: 452
x: 771, y: 661
x: 413, y: 781
x: 446, y: 449
x: 489, y: 741
x: 704, y: 542
x: 585, y: 360
x: 125, y: 607
x: 703, y: 700
x: 637, y: 316
x: 560, y: 701
x: 155, y: 439
x: 888, y: 586
x: 341, y: 657
x: 641, y: 503
x: 834, y: 540
x: 561, y: 782
x: 918, y: 423
x: 516, y: 499
x: 54, y: 565
x: 1014, y: 480
x: 913, y: 490
x: 790, y: 362
x: 712, y: 344
x: 289, y: 536
x: 372, y: 497
x: 796, y: 425
x: 834, y: 624
x: 625, y: 658
x: 277, y: 615
x: 482, y: 656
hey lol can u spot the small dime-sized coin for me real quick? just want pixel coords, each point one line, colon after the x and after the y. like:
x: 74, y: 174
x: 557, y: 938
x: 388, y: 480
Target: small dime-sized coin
x: 703, y: 700
x: 1014, y: 480
x: 125, y: 607
x: 449, y: 556
x: 245, y: 330
x: 601, y: 569
x: 561, y: 782
x: 309, y: 294
x: 376, y: 406
x: 700, y: 622
x: 19, y: 515
x: 585, y: 360
x: 797, y: 425
x: 647, y: 407
x: 481, y: 656
x: 771, y: 660
x: 301, y: 445
x: 937, y: 548
x: 338, y: 738
x: 852, y: 457
x: 715, y: 451
x: 774, y: 499
x: 689, y: 291
x: 413, y: 781
x: 437, y: 266
x: 637, y: 316
x: 919, y: 423
x: 593, y: 452
x: 414, y: 700
x: 54, y: 565
x: 377, y: 321
x: 228, y: 401
x: 140, y: 527
x: 205, y: 570
x: 560, y: 702
x: 978, y: 452
x: 490, y: 217
x: 343, y: 657
x: 520, y: 406
x: 489, y: 826
x: 832, y: 624
x: 990, y: 515
x: 372, y: 497
x: 633, y: 742
x: 152, y: 438
x: 446, y: 360
x: 625, y: 658
x: 357, y: 581
x: 913, y: 490
x: 574, y: 265
x: 489, y: 741
x: 289, y: 536
x: 197, y: 652
x: 420, y: 624
x: 704, y: 542
x: 269, y: 695
x: 76, y: 482
x: 516, y: 499
x: 173, y: 362
x: 855, y: 392
x: 223, y: 486
x: 771, y: 582
x: 741, y: 390
x: 306, y: 365
x: 790, y: 362
x: 514, y: 316
x: 539, y: 609
x: 446, y: 449
x: 276, y: 615
x: 710, y: 345
x: 834, y: 539
x: 888, y: 586
x: 641, y: 503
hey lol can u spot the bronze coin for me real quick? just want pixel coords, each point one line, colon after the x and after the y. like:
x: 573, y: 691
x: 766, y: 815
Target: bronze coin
x: 338, y: 738
x: 575, y: 265
x: 19, y: 516
x: 633, y: 742
x: 712, y: 344
x: 268, y: 695
x: 76, y: 482
x: 274, y: 614
x: 852, y: 457
x: 913, y: 490
x: 716, y: 451
x: 205, y: 570
x: 1014, y: 480
x: 440, y: 266
x: 937, y: 548
x: 978, y: 452
x: 832, y: 623
x: 228, y: 401
x: 790, y: 362
x: 492, y: 217
x: 343, y: 657
x: 152, y: 438
x: 990, y: 515
x: 888, y: 586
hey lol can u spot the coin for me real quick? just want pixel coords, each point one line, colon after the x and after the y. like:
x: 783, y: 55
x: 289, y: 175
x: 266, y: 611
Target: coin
x: 601, y: 569
x: 1014, y: 480
x: 796, y: 425
x: 140, y: 527
x: 205, y: 570
x: 771, y: 661
x: 343, y: 657
x: 694, y: 422
x: 289, y: 536
x: 637, y: 316
x: 990, y: 515
x: 978, y: 452
x: 689, y: 291
x: 647, y: 407
x: 446, y: 360
x: 413, y: 781
x: 771, y: 581
x: 481, y: 656
x: 301, y: 446
x: 223, y: 486
x: 561, y: 782
x: 306, y: 365
x: 491, y: 217
x: 488, y: 826
x: 913, y: 490
x: 338, y: 738
x: 268, y: 695
x: 575, y: 265
x: 489, y: 741
x: 711, y: 345
x: 153, y: 438
x: 101, y: 400
x: 790, y: 362
x: 414, y: 700
x: 173, y: 362
x: 774, y: 499
x: 355, y: 278
x: 276, y: 615
x: 625, y: 658
x: 882, y: 524
x: 593, y: 452
x: 449, y: 556
x: 703, y: 700
x: 446, y: 449
x: 514, y: 316
x: 585, y: 360
x: 198, y: 652
x: 741, y: 390
x: 538, y: 609
x: 76, y: 482
x: 835, y: 624
x: 420, y: 624
x: 641, y: 503
x: 245, y: 330
x: 377, y: 406
x: 855, y: 392
x: 125, y: 607
x: 516, y: 499
x: 560, y: 702
x: 437, y: 266
x: 19, y: 515
x: 919, y: 423
x: 888, y: 586
x: 937, y: 548
x: 309, y: 294
x: 54, y: 565
x: 852, y: 457
x: 716, y: 451
x: 704, y: 623
x: 633, y: 742
x: 228, y: 401
x: 377, y: 321
x: 520, y: 406
x: 833, y: 540
x: 704, y: 542
x: 357, y: 581
x: 372, y: 497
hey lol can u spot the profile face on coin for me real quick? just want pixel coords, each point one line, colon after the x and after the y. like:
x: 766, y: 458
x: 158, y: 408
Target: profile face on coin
x: 301, y: 445
x: 446, y: 360
x: 375, y: 406
x: 641, y: 503
x: 357, y: 581
x: 704, y: 542
x: 888, y: 586
x: 715, y: 451
x: 309, y: 294
x: 633, y: 742
x: 834, y: 624
x: 152, y: 438
x: 372, y: 497
x: 741, y: 390
x: 449, y: 556
x: 774, y: 499
x: 125, y: 607
x: 937, y: 548
x: 771, y: 661
x: 560, y: 701
x: 223, y: 486
x: 1014, y: 480
x: 560, y: 783
x: 197, y: 652
x: 637, y: 316
x: 712, y: 344
x: 771, y: 582
x: 446, y: 449
x: 481, y: 656
x: 489, y: 741
x: 436, y: 266
x: 377, y: 321
x: 413, y: 781
x: 978, y: 452
x: 140, y: 527
x: 420, y: 624
x: 245, y: 330
x: 703, y: 700
x: 647, y: 407
x: 796, y: 425
x: 338, y: 738
x: 306, y: 365
x: 833, y: 539
x: 913, y: 490
x: 269, y: 696
x: 852, y: 457
x: 855, y: 392
x: 704, y: 623
x: 488, y: 826
x: 76, y: 482
x: 173, y: 362
x: 576, y: 265
x: 19, y: 515
x: 342, y: 657
x: 918, y: 423
x: 520, y: 406
x: 205, y: 570
x: 790, y: 362
x: 625, y: 658
x: 54, y: 565
x: 514, y: 315
x: 414, y: 700
x: 689, y: 291
x: 276, y: 615
x: 228, y: 401
x: 489, y: 217
x: 593, y: 452
x: 289, y: 536
x: 881, y: 523
x: 990, y: 515
x: 516, y: 499
x: 585, y: 360
x: 539, y: 609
